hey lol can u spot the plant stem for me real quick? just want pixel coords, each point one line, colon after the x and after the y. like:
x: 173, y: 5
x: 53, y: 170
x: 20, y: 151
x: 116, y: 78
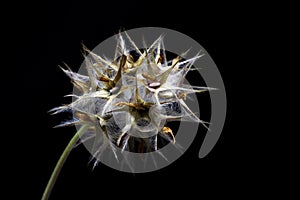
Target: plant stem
x: 61, y: 161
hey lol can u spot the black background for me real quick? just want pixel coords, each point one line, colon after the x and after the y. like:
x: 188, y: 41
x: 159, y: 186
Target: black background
x: 47, y: 34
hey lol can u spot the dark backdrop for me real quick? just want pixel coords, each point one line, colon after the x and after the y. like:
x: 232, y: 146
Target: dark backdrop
x: 48, y: 34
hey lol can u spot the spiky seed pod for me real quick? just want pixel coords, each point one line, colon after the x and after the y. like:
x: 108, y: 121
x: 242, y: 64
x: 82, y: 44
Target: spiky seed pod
x: 128, y: 101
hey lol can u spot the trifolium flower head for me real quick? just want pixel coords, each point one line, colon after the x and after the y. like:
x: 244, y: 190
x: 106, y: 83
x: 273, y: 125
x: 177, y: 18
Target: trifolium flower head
x: 128, y: 101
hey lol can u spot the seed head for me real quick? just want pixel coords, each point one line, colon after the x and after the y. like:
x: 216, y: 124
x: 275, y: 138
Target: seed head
x: 129, y: 101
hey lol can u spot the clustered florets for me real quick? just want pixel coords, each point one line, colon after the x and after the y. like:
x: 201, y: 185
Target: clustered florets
x: 128, y: 101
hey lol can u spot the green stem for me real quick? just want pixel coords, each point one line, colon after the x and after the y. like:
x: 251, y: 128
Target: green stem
x: 61, y: 161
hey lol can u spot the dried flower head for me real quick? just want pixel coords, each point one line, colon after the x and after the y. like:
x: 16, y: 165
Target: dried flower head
x: 128, y: 101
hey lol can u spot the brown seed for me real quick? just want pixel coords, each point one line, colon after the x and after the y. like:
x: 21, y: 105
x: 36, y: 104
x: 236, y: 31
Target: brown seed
x: 147, y: 76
